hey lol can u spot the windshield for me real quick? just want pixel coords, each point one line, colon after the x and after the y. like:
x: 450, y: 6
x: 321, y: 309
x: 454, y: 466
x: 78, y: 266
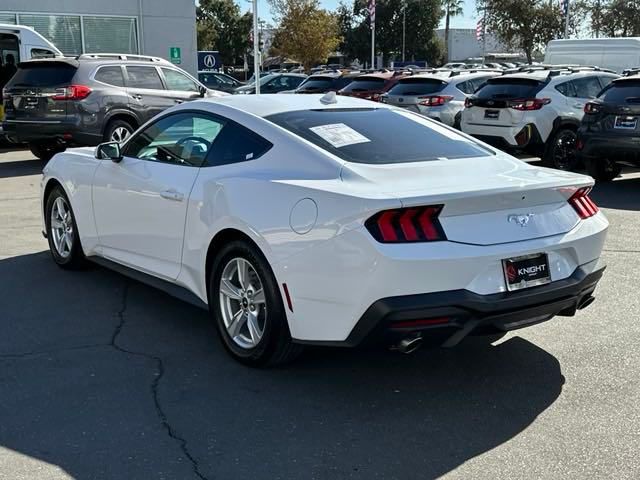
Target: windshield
x: 364, y: 84
x: 509, y: 88
x: 417, y: 86
x: 378, y: 135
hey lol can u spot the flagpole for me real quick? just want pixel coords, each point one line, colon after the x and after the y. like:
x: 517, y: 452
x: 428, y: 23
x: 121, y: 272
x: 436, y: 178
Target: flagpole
x: 256, y: 47
x: 373, y: 35
x: 566, y: 19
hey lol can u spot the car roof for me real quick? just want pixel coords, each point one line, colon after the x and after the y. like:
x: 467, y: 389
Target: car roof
x: 383, y: 75
x: 265, y: 105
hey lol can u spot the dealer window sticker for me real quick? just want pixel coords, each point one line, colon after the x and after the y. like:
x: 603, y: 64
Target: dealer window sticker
x: 339, y: 134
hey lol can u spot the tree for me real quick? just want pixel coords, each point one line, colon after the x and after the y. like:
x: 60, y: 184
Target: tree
x: 222, y: 27
x: 613, y: 18
x: 451, y: 8
x: 525, y: 24
x: 422, y: 18
x: 305, y: 32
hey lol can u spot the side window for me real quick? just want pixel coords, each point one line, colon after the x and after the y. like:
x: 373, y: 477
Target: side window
x: 605, y: 81
x: 588, y: 87
x: 182, y: 139
x: 465, y: 87
x: 41, y: 53
x: 478, y: 83
x: 144, y: 77
x: 567, y: 89
x: 110, y: 76
x: 237, y: 144
x: 177, y: 81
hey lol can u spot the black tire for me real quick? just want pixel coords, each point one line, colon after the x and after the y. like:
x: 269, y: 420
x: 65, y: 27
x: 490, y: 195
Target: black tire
x: 114, y: 126
x: 602, y: 169
x: 457, y: 122
x: 44, y: 151
x: 560, y: 152
x: 75, y: 258
x: 275, y: 347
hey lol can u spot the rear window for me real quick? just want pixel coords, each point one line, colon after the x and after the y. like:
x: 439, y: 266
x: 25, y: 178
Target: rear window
x: 509, y: 88
x: 626, y: 91
x: 378, y: 136
x: 319, y: 83
x: 365, y: 84
x: 43, y: 75
x: 417, y: 86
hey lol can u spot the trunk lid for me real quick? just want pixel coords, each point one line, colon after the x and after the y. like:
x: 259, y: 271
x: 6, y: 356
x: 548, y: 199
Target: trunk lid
x: 484, y: 198
x: 410, y: 91
x: 30, y: 93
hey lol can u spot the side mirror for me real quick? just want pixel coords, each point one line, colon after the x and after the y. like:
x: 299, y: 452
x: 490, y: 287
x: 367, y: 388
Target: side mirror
x: 109, y: 151
x: 202, y: 90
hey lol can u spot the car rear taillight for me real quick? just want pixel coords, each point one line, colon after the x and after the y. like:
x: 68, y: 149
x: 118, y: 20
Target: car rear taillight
x: 468, y: 102
x: 582, y: 204
x: 527, y: 104
x: 435, y: 101
x: 591, y: 108
x: 72, y: 92
x: 403, y: 225
x: 375, y: 97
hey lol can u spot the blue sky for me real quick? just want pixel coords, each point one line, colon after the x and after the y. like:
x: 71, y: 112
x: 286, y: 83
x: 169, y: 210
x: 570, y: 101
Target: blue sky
x: 467, y: 20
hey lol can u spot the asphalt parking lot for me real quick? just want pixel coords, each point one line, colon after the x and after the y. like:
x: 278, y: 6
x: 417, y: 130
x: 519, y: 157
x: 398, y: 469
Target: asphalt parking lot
x: 104, y: 378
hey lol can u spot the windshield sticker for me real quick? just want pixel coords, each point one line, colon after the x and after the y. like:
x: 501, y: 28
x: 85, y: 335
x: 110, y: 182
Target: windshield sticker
x: 339, y: 134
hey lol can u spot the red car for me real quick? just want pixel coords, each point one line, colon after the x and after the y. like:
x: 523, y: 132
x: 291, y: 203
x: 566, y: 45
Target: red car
x: 371, y: 85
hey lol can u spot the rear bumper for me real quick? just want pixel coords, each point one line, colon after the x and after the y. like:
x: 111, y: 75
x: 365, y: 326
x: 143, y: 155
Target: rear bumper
x: 505, y: 137
x: 63, y: 132
x: 610, y: 146
x: 458, y: 313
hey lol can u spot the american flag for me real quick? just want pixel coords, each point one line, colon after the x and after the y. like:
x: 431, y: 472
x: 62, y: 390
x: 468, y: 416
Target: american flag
x: 480, y: 30
x: 372, y: 11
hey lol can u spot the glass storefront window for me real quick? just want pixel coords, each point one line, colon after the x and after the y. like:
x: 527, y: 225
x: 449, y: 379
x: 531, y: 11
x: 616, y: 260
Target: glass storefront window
x: 110, y: 35
x: 8, y: 18
x: 61, y: 30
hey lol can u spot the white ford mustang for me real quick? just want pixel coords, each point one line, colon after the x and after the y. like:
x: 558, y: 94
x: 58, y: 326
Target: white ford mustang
x: 306, y: 219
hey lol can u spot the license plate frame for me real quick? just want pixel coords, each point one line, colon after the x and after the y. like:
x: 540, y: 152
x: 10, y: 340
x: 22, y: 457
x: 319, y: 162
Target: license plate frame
x: 526, y: 271
x: 492, y: 114
x: 625, y: 122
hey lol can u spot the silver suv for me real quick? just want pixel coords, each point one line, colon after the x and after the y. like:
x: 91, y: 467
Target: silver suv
x: 537, y: 109
x: 439, y: 95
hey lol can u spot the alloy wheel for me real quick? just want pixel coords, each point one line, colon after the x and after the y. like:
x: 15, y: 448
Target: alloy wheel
x: 62, y: 227
x: 564, y: 150
x: 120, y: 134
x: 242, y: 303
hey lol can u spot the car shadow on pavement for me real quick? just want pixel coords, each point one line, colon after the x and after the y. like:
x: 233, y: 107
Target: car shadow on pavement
x: 21, y: 168
x: 623, y: 193
x: 105, y: 378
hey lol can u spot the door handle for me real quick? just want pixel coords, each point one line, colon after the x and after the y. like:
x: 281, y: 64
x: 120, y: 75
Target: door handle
x: 178, y: 101
x: 137, y: 97
x: 578, y: 105
x: 172, y: 195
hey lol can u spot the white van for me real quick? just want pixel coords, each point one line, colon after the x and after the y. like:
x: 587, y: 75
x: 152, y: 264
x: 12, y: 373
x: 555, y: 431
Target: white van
x: 616, y: 54
x: 24, y: 43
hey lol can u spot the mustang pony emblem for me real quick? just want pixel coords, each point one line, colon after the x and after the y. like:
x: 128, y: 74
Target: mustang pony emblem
x: 522, y: 220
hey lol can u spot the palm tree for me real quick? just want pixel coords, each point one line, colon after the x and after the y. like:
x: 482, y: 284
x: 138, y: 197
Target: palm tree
x: 452, y: 8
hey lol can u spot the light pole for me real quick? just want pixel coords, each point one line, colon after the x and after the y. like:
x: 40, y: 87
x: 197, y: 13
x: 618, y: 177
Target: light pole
x: 256, y: 47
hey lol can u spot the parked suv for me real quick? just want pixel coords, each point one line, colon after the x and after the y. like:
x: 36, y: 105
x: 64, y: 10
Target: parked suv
x: 219, y: 81
x: 439, y: 95
x: 537, y: 109
x: 326, y: 82
x: 610, y: 131
x: 58, y: 102
x: 371, y: 85
x: 273, y: 83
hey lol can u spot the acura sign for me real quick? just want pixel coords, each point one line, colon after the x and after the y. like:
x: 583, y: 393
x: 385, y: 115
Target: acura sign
x: 209, y: 60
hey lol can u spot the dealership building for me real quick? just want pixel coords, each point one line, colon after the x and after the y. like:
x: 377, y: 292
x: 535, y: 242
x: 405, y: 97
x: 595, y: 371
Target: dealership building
x: 162, y: 28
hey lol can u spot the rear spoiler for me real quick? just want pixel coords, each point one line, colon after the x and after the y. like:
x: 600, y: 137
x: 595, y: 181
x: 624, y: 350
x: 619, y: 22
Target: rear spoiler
x: 41, y: 62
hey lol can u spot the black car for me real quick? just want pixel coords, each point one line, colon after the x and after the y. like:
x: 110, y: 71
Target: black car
x: 219, y: 81
x: 327, y: 82
x: 273, y: 83
x: 83, y: 101
x: 610, y: 130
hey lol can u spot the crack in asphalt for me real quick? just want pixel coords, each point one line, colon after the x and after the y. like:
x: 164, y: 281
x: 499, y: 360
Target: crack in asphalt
x: 155, y: 384
x: 11, y: 356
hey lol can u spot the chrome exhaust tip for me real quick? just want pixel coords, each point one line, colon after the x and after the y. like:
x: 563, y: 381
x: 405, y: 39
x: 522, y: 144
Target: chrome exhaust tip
x: 409, y: 345
x: 585, y: 302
